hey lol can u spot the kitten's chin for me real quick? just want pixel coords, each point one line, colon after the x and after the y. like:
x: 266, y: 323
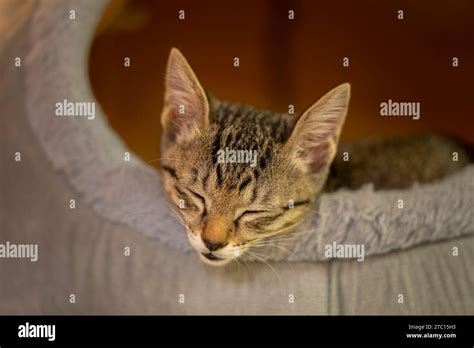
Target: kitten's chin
x: 214, y: 261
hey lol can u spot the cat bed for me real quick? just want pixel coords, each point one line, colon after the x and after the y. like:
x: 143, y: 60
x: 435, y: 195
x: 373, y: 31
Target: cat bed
x: 121, y: 187
x: 119, y: 206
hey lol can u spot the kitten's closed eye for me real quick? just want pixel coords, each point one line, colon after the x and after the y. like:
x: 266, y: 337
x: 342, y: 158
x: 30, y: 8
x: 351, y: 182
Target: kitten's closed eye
x: 170, y: 171
x: 251, y: 214
x: 201, y: 199
x: 198, y: 196
x: 257, y: 218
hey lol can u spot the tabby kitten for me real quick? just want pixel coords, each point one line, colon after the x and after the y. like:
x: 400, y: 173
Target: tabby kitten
x: 228, y: 207
x: 231, y: 206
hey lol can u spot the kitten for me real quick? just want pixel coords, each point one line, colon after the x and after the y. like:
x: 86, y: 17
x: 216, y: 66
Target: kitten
x: 228, y: 206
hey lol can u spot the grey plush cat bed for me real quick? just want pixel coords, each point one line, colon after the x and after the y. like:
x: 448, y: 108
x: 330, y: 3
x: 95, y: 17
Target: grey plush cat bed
x: 92, y: 158
x: 114, y: 195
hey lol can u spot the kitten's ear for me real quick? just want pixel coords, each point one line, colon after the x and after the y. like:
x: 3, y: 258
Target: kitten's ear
x: 186, y: 108
x: 313, y: 141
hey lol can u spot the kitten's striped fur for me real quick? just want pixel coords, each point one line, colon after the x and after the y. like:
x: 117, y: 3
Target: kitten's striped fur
x: 242, y: 127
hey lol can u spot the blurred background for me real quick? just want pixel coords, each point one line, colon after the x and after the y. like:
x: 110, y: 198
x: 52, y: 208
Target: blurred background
x: 294, y: 62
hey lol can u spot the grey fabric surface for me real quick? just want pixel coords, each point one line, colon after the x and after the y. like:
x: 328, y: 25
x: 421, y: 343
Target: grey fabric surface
x: 431, y: 279
x: 81, y: 251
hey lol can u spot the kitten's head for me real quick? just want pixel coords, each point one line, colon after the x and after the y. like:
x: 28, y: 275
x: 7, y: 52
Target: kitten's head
x: 236, y: 175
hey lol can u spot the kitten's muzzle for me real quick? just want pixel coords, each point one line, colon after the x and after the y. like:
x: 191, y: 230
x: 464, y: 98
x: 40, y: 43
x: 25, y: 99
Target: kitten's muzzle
x: 211, y: 257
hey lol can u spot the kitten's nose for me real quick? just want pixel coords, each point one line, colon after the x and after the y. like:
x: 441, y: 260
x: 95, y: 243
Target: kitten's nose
x: 212, y: 246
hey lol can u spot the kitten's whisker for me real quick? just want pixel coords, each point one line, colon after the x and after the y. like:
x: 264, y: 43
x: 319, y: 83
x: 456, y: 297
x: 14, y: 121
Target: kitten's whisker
x: 237, y: 262
x: 252, y: 253
x: 178, y: 213
x: 287, y: 232
x: 279, y: 232
x: 283, y: 236
x: 256, y: 255
x: 284, y: 230
x: 275, y: 241
x: 283, y: 241
x: 288, y: 251
x: 272, y: 246
x: 276, y: 238
x: 286, y: 261
x: 244, y: 262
